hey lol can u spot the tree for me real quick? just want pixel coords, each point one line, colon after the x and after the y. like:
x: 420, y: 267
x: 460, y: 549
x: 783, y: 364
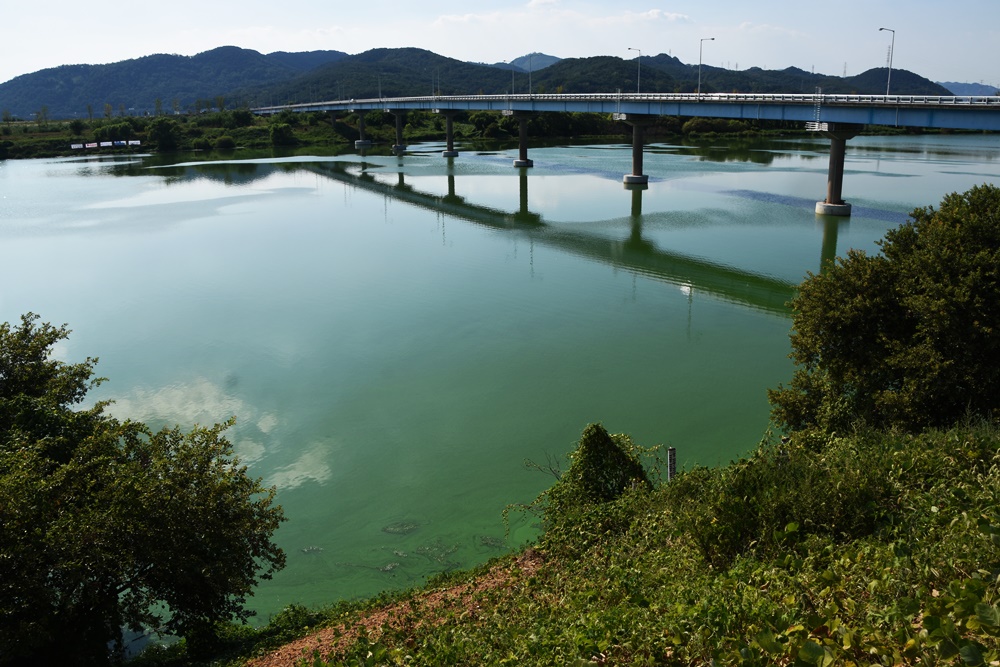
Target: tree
x: 164, y: 133
x: 106, y: 525
x: 282, y: 135
x: 907, y: 339
x: 42, y: 116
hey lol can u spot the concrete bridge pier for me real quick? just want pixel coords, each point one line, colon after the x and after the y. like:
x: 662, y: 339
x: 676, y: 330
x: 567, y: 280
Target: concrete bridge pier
x: 449, y: 134
x: 638, y: 124
x: 400, y: 115
x: 522, y: 140
x: 362, y: 141
x: 834, y: 203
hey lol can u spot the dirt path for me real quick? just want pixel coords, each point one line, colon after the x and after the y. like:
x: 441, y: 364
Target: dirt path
x: 427, y: 608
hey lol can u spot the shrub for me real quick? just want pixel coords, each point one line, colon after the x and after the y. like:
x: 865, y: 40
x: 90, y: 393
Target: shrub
x: 594, y: 497
x: 282, y: 135
x: 906, y: 339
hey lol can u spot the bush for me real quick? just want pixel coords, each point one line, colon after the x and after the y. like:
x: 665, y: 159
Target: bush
x: 906, y: 339
x: 595, y: 496
x: 282, y: 135
x: 225, y: 143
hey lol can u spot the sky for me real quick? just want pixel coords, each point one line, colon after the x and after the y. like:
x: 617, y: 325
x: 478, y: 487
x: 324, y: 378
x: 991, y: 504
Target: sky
x: 957, y: 40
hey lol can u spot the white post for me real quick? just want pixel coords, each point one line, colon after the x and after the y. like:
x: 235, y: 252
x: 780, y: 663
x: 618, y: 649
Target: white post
x: 638, y: 67
x: 701, y: 45
x: 892, y: 47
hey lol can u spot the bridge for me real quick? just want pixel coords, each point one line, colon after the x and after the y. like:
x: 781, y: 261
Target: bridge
x: 837, y: 117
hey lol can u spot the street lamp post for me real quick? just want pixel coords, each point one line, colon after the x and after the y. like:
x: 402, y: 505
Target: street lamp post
x: 701, y: 46
x: 892, y: 47
x: 638, y: 67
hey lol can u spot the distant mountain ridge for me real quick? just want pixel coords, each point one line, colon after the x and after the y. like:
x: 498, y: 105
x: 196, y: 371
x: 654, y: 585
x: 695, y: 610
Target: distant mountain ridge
x: 974, y: 89
x: 534, y: 62
x: 236, y: 77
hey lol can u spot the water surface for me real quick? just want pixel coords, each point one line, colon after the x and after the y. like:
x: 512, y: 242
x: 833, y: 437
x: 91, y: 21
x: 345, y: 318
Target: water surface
x: 396, y: 335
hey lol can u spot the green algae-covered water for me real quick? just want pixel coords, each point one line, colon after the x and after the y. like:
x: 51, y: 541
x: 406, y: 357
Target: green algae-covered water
x: 397, y: 335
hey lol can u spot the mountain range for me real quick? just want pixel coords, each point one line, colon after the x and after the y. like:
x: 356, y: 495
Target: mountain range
x: 235, y: 77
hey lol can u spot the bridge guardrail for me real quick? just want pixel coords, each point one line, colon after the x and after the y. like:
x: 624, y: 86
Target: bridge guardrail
x: 966, y: 101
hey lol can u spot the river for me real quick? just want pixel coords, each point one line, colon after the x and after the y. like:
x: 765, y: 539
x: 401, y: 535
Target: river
x: 396, y: 336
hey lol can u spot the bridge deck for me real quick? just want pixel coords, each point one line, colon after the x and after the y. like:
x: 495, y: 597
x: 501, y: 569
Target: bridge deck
x: 937, y: 112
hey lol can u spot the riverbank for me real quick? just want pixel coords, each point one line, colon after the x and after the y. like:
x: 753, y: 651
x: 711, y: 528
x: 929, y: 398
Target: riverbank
x: 226, y: 131
x: 866, y: 549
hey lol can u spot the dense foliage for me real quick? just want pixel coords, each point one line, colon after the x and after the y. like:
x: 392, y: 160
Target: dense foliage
x: 909, y: 338
x: 107, y: 525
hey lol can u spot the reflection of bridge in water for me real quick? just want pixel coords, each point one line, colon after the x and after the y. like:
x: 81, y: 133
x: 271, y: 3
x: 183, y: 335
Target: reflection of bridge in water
x: 633, y: 253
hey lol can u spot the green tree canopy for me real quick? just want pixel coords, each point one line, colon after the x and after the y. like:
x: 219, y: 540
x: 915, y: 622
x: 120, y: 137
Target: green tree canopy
x: 906, y: 339
x: 106, y: 525
x: 165, y: 134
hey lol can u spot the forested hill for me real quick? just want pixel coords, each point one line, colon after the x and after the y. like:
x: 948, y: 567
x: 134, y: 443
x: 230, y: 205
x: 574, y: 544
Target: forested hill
x: 164, y: 84
x: 135, y: 86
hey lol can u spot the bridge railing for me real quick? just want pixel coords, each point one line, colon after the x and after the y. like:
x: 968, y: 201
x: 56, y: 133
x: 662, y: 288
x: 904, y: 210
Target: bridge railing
x: 960, y: 101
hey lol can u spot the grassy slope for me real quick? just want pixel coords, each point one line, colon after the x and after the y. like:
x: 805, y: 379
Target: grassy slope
x: 894, y: 558
x: 867, y: 549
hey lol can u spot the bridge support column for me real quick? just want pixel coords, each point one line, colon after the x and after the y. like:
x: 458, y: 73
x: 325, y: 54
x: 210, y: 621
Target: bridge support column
x: 449, y: 134
x: 638, y: 124
x: 362, y: 141
x: 522, y: 141
x: 834, y: 203
x: 400, y: 115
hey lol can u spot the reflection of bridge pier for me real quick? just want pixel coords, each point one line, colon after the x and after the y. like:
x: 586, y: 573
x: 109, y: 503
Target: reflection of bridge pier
x: 451, y: 197
x: 831, y: 230
x: 635, y: 240
x: 523, y: 215
x: 635, y: 215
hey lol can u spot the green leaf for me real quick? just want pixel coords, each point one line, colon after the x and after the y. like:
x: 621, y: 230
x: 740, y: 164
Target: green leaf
x: 988, y: 615
x: 815, y: 654
x: 768, y: 643
x: 971, y: 655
